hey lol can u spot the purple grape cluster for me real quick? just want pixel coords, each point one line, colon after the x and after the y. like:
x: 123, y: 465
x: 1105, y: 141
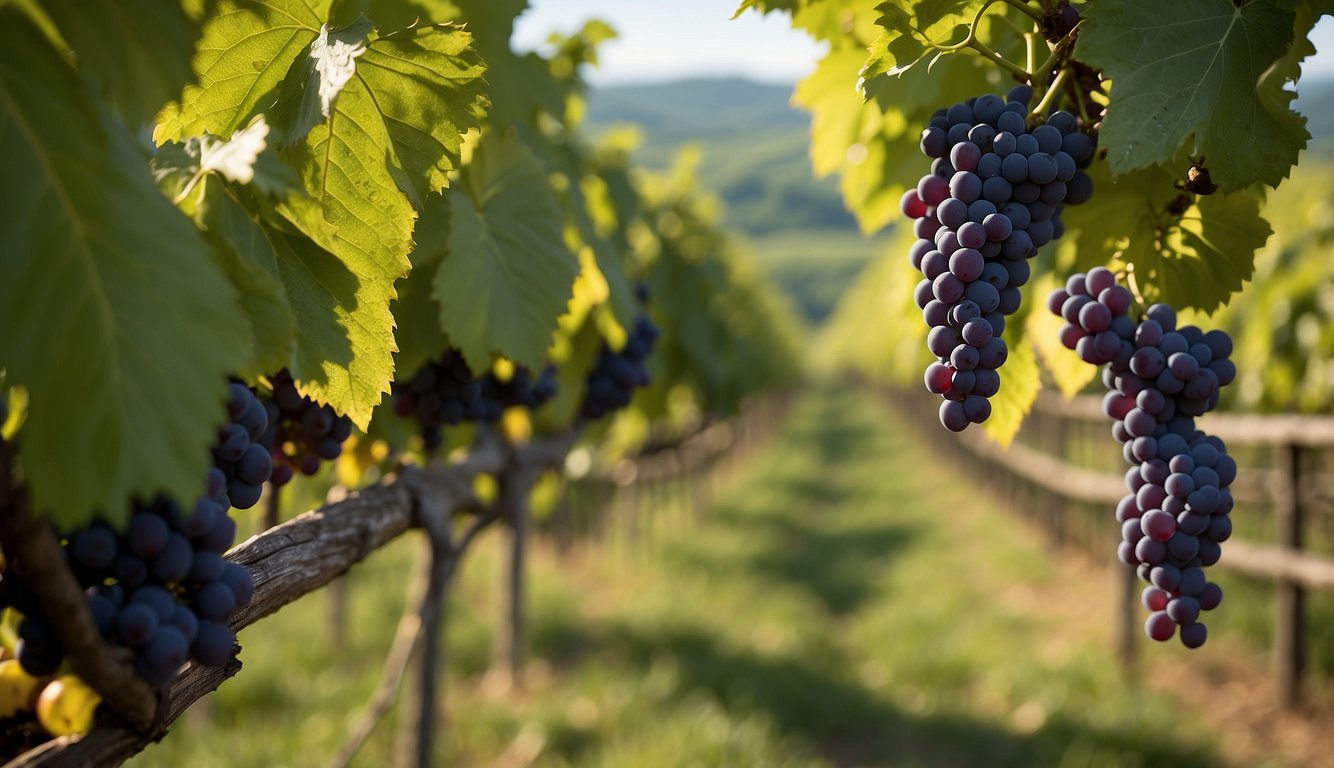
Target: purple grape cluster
x: 161, y: 586
x: 301, y: 432
x: 1159, y: 377
x: 240, y: 453
x: 613, y: 380
x: 445, y: 392
x: 993, y: 197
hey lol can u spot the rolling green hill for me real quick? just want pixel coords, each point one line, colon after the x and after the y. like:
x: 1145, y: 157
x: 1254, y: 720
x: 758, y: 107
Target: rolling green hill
x: 753, y: 148
x: 753, y: 145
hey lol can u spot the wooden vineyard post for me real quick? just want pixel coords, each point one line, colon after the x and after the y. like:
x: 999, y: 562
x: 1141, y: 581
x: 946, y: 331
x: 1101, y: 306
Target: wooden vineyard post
x: 1290, y: 597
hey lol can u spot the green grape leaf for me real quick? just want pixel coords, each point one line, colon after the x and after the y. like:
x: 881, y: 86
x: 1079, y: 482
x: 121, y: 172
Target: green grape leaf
x: 244, y: 54
x: 1200, y: 261
x: 427, y: 80
x: 345, y: 332
x: 135, y: 52
x: 1020, y: 383
x: 1069, y: 371
x: 1122, y: 211
x: 243, y: 252
x: 327, y: 67
x: 1197, y: 259
x: 124, y: 331
x: 416, y: 312
x: 394, y: 130
x: 910, y: 34
x: 508, y: 274
x: 1196, y: 66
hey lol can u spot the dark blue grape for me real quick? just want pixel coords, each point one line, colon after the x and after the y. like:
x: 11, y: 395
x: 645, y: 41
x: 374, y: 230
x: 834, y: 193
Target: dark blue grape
x: 213, y: 644
x: 136, y: 624
x: 95, y: 547
x: 173, y: 562
x: 214, y: 602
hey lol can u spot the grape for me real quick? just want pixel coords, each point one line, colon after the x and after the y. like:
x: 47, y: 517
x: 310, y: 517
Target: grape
x: 445, y: 392
x: 616, y: 375
x: 185, y: 620
x: 173, y: 562
x: 164, y: 654
x: 36, y: 660
x: 136, y: 624
x: 206, y: 566
x: 991, y: 199
x: 1154, y: 599
x: 104, y: 611
x: 293, y: 437
x: 237, y: 578
x: 1193, y: 635
x: 1160, y: 626
x: 1159, y: 377
x: 213, y: 644
x: 214, y: 602
x: 95, y: 547
x: 160, y: 600
x: 952, y: 416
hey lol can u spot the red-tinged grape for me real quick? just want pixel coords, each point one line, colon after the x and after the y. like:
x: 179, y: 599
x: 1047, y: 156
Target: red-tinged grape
x: 1159, y: 626
x: 1154, y: 598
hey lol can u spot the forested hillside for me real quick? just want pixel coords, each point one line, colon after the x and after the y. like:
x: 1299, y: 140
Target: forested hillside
x: 753, y: 146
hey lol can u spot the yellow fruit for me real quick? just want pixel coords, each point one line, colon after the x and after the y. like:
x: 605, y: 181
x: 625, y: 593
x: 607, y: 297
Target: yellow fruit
x: 17, y: 688
x: 66, y: 705
x: 516, y: 425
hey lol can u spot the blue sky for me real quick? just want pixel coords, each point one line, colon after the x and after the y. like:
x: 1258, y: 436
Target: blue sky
x: 664, y: 40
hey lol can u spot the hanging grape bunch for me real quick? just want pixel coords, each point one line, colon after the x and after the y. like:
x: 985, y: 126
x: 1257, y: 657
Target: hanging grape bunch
x: 616, y: 375
x: 301, y: 432
x: 1160, y: 377
x: 993, y: 197
x: 445, y: 392
x: 161, y: 586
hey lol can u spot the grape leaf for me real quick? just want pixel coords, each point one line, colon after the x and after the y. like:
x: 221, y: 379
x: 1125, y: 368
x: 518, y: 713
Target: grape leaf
x: 122, y: 328
x: 393, y: 133
x: 1204, y: 258
x: 1020, y: 383
x: 416, y: 312
x: 1069, y: 371
x: 1195, y: 260
x: 910, y: 34
x: 1196, y: 66
x: 243, y: 252
x: 508, y: 274
x: 874, y: 143
x: 326, y: 69
x: 1128, y: 209
x: 245, y: 52
x: 135, y: 52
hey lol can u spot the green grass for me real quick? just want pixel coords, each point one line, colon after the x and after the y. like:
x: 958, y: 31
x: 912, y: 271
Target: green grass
x: 846, y: 601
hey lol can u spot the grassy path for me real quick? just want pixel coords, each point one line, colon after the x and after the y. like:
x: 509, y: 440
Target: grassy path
x: 848, y: 601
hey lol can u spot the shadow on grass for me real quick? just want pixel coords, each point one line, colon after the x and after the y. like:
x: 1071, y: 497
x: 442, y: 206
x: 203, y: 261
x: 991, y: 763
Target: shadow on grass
x: 778, y: 528
x: 850, y: 724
